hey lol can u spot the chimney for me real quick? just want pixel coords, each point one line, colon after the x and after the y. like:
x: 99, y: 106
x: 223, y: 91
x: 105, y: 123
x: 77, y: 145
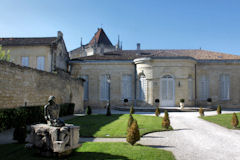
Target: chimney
x: 138, y: 46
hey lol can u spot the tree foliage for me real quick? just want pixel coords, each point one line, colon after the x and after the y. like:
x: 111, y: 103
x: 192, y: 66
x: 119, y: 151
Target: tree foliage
x: 166, y: 120
x: 234, y: 120
x: 132, y: 110
x: 201, y: 111
x: 4, y: 55
x: 133, y: 134
x: 157, y: 112
x: 219, y: 109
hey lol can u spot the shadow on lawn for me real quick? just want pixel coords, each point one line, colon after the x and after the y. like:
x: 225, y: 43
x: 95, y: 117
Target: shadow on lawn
x: 89, y: 125
x: 94, y: 156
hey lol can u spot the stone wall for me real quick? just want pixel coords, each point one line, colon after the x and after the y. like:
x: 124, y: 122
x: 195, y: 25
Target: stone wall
x: 23, y: 85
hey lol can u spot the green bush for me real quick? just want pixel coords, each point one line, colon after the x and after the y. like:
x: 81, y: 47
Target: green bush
x: 166, y: 121
x: 234, y: 120
x: 130, y: 121
x: 133, y: 134
x: 28, y: 115
x: 219, y: 109
x: 132, y: 110
x: 89, y: 110
x: 201, y: 111
x: 157, y: 112
x: 20, y: 134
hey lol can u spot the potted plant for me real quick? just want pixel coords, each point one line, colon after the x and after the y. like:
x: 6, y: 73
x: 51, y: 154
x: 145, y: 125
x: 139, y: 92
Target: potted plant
x: 182, y: 103
x: 209, y: 101
x: 125, y: 101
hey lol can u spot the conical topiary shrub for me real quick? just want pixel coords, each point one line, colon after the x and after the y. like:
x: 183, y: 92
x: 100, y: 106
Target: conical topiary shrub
x: 219, y: 109
x: 133, y: 134
x: 108, y: 113
x: 201, y: 111
x: 157, y: 112
x: 130, y: 120
x: 132, y: 110
x: 20, y: 134
x: 234, y: 120
x: 89, y: 110
x: 166, y: 121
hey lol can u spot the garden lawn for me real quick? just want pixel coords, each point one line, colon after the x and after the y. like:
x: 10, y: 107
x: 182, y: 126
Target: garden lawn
x: 91, y: 151
x: 115, y: 125
x: 222, y: 120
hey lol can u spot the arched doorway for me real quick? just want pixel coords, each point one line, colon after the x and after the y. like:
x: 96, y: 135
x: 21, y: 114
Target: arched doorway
x: 167, y: 91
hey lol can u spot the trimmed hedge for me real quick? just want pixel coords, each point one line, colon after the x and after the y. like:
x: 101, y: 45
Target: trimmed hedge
x: 21, y: 116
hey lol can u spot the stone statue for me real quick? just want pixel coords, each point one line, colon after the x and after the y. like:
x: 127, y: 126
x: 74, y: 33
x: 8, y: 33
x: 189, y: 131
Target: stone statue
x: 51, y: 113
x: 54, y: 138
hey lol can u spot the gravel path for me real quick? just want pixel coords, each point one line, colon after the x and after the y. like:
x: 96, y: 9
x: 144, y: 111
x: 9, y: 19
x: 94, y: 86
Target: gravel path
x: 191, y: 139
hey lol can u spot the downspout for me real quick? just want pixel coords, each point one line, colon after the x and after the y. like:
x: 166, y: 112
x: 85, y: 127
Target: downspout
x: 195, y: 85
x: 135, y: 85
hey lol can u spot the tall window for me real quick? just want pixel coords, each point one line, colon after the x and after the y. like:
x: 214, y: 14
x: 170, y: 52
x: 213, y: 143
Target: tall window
x: 126, y: 87
x: 204, y: 88
x: 142, y: 88
x: 40, y: 62
x: 25, y: 61
x: 225, y: 86
x: 104, y: 87
x: 85, y: 86
x: 190, y: 89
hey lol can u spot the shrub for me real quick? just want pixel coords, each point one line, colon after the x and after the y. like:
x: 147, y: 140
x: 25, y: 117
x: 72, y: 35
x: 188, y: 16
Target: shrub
x: 166, y: 121
x: 133, y: 134
x: 209, y: 100
x: 157, y: 112
x: 130, y: 121
x: 234, y: 120
x: 132, y: 110
x: 201, y: 111
x: 108, y: 113
x: 182, y: 100
x: 219, y: 109
x: 89, y: 110
x: 20, y: 133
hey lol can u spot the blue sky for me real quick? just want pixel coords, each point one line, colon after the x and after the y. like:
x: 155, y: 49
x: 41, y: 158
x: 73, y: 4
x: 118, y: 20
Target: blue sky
x: 156, y: 24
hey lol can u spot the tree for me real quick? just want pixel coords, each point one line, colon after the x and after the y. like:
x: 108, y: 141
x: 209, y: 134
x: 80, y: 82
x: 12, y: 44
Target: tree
x: 219, y: 109
x: 157, y: 112
x: 166, y: 121
x: 201, y: 111
x: 130, y: 121
x: 89, y: 110
x: 133, y: 134
x: 132, y: 110
x: 234, y: 120
x: 4, y: 55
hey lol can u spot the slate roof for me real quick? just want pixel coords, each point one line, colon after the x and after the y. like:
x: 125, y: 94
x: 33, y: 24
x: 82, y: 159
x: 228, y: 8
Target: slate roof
x: 27, y: 41
x: 101, y: 38
x: 185, y: 53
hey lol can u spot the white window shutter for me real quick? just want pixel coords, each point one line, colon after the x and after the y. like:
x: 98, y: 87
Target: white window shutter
x: 102, y: 88
x: 25, y: 61
x: 190, y: 89
x: 126, y: 87
x: 85, y: 85
x: 40, y: 62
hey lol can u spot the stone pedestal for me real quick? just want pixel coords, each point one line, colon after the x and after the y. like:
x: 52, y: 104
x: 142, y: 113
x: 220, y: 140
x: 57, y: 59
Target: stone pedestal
x: 54, y: 140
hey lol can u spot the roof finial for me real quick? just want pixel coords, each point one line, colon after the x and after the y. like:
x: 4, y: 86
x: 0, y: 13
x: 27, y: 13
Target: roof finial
x: 81, y: 41
x: 118, y: 43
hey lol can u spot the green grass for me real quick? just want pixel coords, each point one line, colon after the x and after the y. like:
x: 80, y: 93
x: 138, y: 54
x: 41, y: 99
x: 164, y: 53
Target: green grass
x: 222, y: 120
x: 115, y: 125
x: 92, y: 151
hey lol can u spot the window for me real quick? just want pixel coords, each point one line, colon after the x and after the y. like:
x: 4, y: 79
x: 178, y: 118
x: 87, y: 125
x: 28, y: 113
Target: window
x: 204, y: 88
x: 40, y: 62
x: 190, y: 89
x: 85, y: 86
x: 126, y: 87
x: 25, y: 61
x: 142, y: 88
x: 104, y: 86
x: 224, y: 86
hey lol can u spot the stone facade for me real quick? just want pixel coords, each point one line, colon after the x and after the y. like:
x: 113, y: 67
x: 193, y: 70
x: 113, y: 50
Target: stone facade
x: 52, y: 49
x: 22, y: 86
x: 183, y: 75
